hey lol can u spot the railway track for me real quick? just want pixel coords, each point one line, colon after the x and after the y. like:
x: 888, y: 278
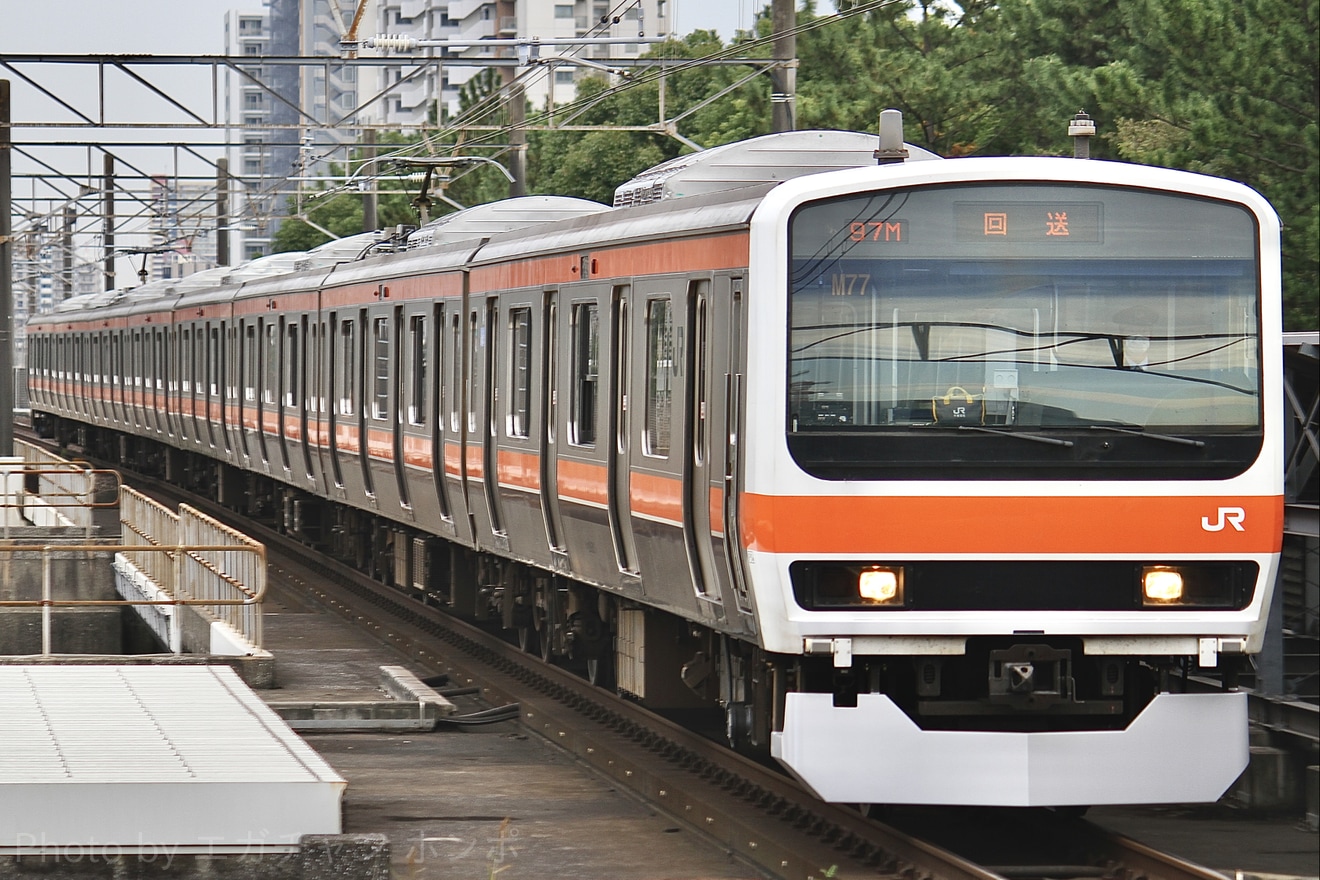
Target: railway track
x: 751, y: 810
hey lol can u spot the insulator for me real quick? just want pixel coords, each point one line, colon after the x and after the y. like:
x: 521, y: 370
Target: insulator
x: 396, y: 44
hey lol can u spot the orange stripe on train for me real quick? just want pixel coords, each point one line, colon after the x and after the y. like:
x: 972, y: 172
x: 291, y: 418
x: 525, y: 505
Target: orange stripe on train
x: 894, y: 526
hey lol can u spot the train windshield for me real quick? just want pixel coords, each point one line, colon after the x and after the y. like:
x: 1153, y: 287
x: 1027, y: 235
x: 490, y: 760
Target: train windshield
x: 1023, y: 331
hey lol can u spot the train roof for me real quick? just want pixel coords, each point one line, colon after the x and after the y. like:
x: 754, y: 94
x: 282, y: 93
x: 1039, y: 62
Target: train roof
x: 771, y: 158
x: 482, y: 221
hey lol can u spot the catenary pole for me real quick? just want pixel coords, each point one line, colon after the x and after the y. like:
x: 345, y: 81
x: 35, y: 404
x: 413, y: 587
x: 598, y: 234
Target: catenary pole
x: 6, y: 282
x: 783, y: 78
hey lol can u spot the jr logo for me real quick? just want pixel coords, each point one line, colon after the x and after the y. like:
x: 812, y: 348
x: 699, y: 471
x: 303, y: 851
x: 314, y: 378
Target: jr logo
x: 1230, y: 516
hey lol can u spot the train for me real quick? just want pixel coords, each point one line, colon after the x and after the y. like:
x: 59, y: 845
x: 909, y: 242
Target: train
x: 934, y: 480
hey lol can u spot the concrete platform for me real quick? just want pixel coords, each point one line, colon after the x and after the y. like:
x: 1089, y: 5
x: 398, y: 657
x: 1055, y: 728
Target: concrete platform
x: 149, y: 759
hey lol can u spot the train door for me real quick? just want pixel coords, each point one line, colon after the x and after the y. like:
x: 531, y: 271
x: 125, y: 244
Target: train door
x: 490, y: 407
x: 231, y: 351
x: 696, y: 458
x: 216, y: 417
x: 361, y: 366
x: 160, y: 394
x: 133, y: 359
x: 439, y: 414
x: 198, y: 354
x: 305, y: 396
x: 733, y: 407
x: 549, y: 477
x: 339, y: 347
x: 247, y: 388
x: 268, y: 341
x: 404, y: 350
x: 171, y: 361
x: 287, y: 372
x: 619, y: 467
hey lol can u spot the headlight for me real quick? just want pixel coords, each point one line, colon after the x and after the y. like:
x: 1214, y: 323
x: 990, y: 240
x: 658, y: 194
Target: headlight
x: 881, y: 586
x: 1161, y: 585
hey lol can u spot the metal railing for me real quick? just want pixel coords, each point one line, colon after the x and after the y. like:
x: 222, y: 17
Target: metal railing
x: 196, y: 559
x: 62, y: 492
x: 188, y: 559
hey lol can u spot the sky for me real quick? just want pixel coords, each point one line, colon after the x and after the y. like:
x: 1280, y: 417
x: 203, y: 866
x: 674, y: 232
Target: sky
x: 165, y: 27
x: 197, y: 26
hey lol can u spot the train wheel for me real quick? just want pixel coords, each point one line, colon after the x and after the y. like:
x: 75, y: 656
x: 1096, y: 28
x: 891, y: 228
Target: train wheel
x: 600, y: 670
x: 527, y: 640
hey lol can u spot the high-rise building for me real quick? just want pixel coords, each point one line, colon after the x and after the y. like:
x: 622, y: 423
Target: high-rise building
x: 294, y: 120
x: 421, y: 99
x: 183, y: 225
x: 249, y: 110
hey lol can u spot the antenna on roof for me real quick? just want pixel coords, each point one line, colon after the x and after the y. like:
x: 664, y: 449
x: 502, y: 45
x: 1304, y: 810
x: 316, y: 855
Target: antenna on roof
x: 891, y: 138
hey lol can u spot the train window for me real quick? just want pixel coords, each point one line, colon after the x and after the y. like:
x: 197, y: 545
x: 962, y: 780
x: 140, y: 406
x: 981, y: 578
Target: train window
x: 213, y: 367
x: 417, y: 395
x: 467, y: 378
x: 344, y: 381
x: 187, y: 375
x: 586, y: 374
x: 199, y: 362
x: 457, y: 348
x: 700, y: 356
x: 270, y: 365
x: 380, y: 396
x: 520, y: 327
x: 249, y: 363
x: 230, y: 376
x: 659, y: 372
x: 290, y: 386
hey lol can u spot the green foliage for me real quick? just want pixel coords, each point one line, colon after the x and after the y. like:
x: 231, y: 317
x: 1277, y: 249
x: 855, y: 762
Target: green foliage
x: 1224, y: 87
x: 341, y: 212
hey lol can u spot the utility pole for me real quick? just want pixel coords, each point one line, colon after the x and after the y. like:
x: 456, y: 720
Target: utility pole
x: 517, y: 139
x: 783, y: 78
x: 369, y: 222
x: 6, y: 283
x: 70, y: 219
x: 108, y: 199
x: 222, y: 211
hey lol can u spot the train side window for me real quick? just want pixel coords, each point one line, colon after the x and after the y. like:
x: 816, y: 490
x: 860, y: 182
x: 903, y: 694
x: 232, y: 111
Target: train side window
x: 291, y: 364
x: 586, y: 374
x: 249, y: 363
x: 456, y: 347
x: 199, y: 362
x: 270, y: 373
x: 417, y: 395
x: 344, y: 382
x: 520, y: 366
x: 187, y: 374
x: 467, y: 378
x: 213, y: 368
x: 380, y: 398
x: 659, y: 375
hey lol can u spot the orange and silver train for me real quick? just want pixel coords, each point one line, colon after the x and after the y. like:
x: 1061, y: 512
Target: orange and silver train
x: 935, y: 477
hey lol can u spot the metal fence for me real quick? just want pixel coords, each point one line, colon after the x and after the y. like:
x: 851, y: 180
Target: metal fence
x: 182, y: 558
x: 54, y: 492
x: 197, y: 560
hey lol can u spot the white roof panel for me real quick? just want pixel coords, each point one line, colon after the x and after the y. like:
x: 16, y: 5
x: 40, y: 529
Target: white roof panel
x: 180, y: 755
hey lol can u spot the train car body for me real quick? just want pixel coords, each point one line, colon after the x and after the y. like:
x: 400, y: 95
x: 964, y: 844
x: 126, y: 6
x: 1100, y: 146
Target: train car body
x: 934, y: 478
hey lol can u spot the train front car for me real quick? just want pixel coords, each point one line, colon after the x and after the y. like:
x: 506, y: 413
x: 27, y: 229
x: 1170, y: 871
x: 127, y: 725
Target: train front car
x: 1012, y: 471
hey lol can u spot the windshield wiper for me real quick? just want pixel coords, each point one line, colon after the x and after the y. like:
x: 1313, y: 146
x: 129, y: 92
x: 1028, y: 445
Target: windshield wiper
x: 1167, y: 438
x: 1035, y: 438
